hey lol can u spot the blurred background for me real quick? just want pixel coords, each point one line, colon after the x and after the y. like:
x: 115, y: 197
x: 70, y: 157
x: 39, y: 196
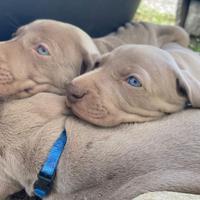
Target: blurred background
x: 185, y: 13
x: 100, y: 17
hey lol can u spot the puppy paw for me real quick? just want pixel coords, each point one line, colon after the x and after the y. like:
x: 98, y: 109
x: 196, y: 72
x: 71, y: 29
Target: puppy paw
x: 132, y: 33
x: 128, y: 28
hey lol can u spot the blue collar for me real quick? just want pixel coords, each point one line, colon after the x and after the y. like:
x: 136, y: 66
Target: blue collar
x: 47, y: 173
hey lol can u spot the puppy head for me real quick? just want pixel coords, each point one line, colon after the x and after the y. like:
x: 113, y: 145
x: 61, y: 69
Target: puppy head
x: 134, y: 83
x: 42, y: 57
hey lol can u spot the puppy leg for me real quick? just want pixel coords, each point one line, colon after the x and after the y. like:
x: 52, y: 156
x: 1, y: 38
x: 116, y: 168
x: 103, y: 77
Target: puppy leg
x: 147, y: 33
x: 142, y: 33
x: 171, y: 34
x: 169, y: 180
x: 136, y: 33
x: 167, y: 196
x: 130, y: 33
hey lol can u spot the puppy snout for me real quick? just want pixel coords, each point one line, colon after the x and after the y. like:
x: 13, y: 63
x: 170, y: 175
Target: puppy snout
x: 75, y: 93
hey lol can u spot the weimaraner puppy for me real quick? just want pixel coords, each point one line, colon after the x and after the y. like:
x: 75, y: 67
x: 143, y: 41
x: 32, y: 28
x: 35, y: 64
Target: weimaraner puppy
x: 45, y: 55
x: 97, y: 163
x: 137, y: 83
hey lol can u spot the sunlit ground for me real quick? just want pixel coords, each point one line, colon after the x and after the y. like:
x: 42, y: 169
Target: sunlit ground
x: 151, y: 11
x: 162, y: 12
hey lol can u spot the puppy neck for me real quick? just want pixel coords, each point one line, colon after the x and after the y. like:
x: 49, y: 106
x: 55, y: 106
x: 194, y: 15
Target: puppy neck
x: 26, y: 136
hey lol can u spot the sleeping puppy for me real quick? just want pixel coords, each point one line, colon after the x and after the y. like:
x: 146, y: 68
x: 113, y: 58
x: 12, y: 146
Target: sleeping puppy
x: 137, y: 83
x: 117, y: 163
x: 45, y: 55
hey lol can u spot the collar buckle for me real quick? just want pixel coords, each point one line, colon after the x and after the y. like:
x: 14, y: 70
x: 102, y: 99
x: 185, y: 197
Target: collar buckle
x: 44, y: 184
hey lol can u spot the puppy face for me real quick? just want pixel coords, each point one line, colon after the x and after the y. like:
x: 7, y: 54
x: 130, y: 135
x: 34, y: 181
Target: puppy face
x: 42, y: 57
x: 133, y: 83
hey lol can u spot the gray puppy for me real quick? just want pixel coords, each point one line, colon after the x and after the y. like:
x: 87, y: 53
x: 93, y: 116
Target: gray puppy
x: 45, y: 55
x: 137, y: 83
x: 117, y: 163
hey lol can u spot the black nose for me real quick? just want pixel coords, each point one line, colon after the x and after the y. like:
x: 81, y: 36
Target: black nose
x: 75, y: 93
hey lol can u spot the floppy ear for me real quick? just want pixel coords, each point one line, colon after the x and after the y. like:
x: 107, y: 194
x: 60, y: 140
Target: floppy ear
x: 88, y: 62
x: 189, y: 86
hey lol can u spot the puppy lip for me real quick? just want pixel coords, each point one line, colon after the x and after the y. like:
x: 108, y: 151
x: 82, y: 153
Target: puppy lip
x: 87, y: 115
x: 94, y: 121
x: 101, y: 119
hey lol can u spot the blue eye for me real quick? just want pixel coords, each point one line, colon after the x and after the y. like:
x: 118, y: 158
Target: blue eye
x: 133, y: 81
x: 42, y: 50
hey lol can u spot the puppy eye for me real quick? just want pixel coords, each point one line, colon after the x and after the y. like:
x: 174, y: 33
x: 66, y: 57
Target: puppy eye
x: 133, y: 81
x: 42, y: 50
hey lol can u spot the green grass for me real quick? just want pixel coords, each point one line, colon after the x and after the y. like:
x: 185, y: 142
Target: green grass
x: 148, y: 14
x: 195, y: 43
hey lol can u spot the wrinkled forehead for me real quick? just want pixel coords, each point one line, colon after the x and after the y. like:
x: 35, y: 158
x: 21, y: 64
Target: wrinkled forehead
x: 46, y: 31
x: 135, y: 56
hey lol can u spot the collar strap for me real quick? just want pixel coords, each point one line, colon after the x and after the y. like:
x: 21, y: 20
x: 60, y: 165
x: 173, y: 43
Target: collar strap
x: 46, y: 176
